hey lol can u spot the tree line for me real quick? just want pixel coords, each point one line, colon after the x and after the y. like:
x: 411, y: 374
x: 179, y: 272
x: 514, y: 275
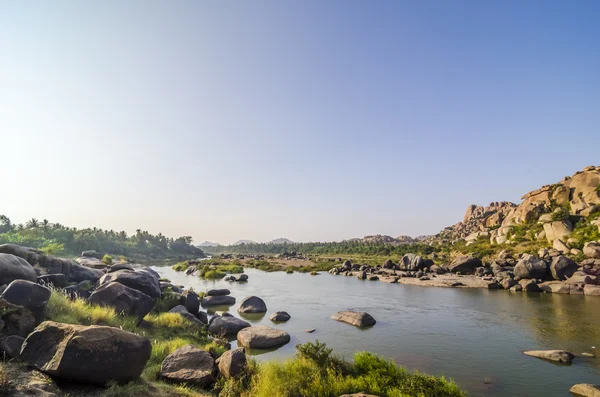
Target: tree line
x: 56, y: 239
x: 345, y: 247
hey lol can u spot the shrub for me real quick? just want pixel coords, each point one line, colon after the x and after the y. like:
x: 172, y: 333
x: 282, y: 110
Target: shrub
x: 167, y: 301
x: 289, y: 271
x: 107, y: 260
x: 181, y: 266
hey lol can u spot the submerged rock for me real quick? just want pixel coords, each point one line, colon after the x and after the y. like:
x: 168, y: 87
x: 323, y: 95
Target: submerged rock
x: 218, y: 300
x: 262, y: 337
x: 359, y: 319
x: 560, y: 356
x: 252, y: 304
x: 279, y: 317
x: 218, y: 292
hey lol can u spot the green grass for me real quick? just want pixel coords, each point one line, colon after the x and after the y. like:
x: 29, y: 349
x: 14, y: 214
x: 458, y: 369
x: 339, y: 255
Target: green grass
x: 318, y: 377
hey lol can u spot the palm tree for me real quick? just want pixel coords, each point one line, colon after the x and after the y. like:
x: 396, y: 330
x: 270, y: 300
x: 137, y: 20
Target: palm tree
x: 32, y: 223
x: 45, y: 225
x: 5, y: 224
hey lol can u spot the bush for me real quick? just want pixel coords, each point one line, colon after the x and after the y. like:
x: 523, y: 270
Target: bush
x: 107, y: 260
x: 181, y: 266
x: 167, y: 301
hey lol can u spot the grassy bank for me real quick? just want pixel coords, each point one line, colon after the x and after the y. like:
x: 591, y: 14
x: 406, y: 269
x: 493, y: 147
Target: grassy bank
x: 315, y: 371
x: 211, y: 270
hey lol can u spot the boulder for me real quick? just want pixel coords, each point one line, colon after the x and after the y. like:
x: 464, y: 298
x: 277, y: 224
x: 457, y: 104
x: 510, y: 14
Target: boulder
x: 203, y: 317
x: 529, y: 285
x: 435, y: 269
x: 218, y: 292
x: 557, y: 288
x: 591, y: 290
x: 388, y: 264
x: 191, y: 301
x: 186, y: 314
x: 88, y: 354
x: 123, y: 299
x: 90, y: 254
x: 252, y: 304
x: 53, y: 280
x: 465, y: 264
x: 562, y: 267
x: 360, y: 319
x: 560, y: 246
x: 77, y: 273
x: 15, y: 268
x: 591, y: 249
x: 531, y: 267
x: 218, y: 300
x: 508, y: 282
x: 11, y: 345
x: 279, y: 317
x: 141, y: 280
x: 585, y: 390
x: 232, y: 363
x: 262, y: 337
x: 581, y: 278
x: 189, y: 365
x: 28, y: 294
x: 557, y: 230
x: 226, y: 326
x: 83, y: 290
x: 411, y: 262
x: 560, y: 356
x: 241, y: 277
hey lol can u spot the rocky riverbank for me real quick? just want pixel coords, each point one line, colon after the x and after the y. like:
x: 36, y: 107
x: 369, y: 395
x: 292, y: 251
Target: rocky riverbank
x: 549, y: 271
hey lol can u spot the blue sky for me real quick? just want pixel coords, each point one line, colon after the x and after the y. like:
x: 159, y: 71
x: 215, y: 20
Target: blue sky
x: 308, y: 120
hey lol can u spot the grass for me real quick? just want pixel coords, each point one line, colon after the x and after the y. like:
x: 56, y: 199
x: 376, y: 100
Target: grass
x: 181, y: 266
x: 326, y: 376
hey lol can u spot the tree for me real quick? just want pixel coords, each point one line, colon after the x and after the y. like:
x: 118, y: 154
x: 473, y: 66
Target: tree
x: 32, y: 223
x: 5, y: 224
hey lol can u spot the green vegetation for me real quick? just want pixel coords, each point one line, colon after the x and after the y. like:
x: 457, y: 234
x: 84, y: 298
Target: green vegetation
x: 316, y: 372
x: 168, y: 301
x: 212, y: 270
x: 348, y: 247
x: 107, y: 260
x: 57, y: 239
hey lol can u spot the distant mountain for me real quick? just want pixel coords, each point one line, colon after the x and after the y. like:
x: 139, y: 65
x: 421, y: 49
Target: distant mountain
x: 209, y: 244
x: 240, y: 242
x: 281, y: 241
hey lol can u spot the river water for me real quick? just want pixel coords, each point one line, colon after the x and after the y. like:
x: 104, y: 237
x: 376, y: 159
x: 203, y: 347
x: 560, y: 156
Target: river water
x: 473, y: 336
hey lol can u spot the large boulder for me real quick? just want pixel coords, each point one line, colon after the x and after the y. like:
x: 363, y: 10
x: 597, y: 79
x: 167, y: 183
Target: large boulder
x: 360, y: 319
x: 262, y: 337
x: 252, y: 304
x: 465, y: 264
x: 560, y: 356
x: 226, y: 326
x: 123, y: 299
x: 531, y: 266
x: 562, y: 267
x: 218, y: 300
x: 28, y: 294
x: 558, y: 230
x: 189, y: 365
x: 92, y: 354
x: 18, y: 320
x: 141, y: 280
x: 232, y: 363
x: 15, y: 268
x: 412, y: 262
x: 592, y: 249
x: 53, y: 280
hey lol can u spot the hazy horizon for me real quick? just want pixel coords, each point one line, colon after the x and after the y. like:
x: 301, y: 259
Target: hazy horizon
x: 311, y: 121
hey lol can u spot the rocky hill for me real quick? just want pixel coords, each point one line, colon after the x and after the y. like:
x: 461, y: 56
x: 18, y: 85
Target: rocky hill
x: 550, y: 212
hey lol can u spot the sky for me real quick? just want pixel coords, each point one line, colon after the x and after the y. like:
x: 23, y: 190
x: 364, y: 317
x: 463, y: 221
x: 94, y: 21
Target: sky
x: 310, y: 120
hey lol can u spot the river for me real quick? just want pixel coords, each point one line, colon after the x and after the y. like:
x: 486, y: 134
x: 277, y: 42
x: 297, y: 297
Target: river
x: 473, y: 336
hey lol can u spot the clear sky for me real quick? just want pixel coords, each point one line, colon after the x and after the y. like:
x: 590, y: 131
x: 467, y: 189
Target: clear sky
x: 312, y: 120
